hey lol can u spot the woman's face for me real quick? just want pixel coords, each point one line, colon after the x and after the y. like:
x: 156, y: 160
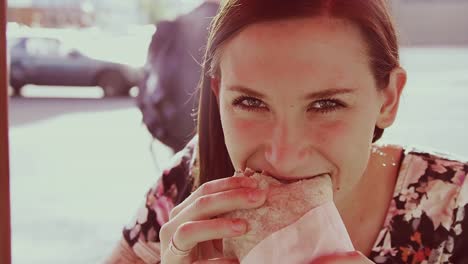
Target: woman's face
x: 297, y: 99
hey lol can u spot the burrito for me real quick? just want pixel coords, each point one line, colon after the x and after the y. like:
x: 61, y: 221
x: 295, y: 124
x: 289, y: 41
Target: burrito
x: 285, y: 204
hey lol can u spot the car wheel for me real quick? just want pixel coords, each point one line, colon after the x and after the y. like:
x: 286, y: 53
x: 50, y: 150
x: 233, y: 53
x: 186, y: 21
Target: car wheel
x: 17, y: 87
x: 113, y: 84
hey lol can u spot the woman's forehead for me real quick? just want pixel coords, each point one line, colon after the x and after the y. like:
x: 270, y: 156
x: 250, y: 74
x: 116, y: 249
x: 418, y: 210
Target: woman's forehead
x: 296, y: 48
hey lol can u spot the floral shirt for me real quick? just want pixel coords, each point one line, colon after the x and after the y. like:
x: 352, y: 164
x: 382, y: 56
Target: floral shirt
x: 425, y: 222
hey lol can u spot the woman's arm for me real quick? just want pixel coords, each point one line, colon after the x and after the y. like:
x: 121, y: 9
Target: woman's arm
x: 140, y: 239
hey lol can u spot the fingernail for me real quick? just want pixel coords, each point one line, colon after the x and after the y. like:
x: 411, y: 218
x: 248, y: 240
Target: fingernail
x: 238, y: 226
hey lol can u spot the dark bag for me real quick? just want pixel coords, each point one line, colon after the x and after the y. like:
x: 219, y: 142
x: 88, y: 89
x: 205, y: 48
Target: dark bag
x: 165, y: 105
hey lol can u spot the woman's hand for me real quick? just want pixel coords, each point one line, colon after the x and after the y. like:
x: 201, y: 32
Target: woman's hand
x: 193, y: 234
x: 354, y: 257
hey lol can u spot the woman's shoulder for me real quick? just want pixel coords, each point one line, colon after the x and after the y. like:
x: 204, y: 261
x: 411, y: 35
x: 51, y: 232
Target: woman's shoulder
x: 177, y: 179
x: 426, y: 218
x: 430, y: 184
x: 435, y: 154
x: 421, y: 165
x: 172, y: 186
x: 428, y: 166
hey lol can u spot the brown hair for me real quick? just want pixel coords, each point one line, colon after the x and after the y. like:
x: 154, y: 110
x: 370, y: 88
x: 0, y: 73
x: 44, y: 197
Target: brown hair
x: 371, y: 16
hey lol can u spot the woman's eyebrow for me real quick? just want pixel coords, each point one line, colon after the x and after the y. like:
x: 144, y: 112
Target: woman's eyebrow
x: 329, y: 93
x: 245, y: 90
x: 314, y: 95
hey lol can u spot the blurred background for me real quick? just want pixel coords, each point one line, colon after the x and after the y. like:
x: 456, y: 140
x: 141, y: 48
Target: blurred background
x: 81, y: 157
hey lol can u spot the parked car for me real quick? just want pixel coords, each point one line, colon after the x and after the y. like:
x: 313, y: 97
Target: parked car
x: 47, y: 61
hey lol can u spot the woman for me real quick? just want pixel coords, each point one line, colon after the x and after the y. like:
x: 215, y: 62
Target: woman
x: 299, y: 89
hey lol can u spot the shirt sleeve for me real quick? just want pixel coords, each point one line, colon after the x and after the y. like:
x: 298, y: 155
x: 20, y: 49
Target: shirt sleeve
x: 457, y: 243
x: 172, y: 187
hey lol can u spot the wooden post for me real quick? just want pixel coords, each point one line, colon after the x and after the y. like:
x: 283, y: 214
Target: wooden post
x: 5, y: 224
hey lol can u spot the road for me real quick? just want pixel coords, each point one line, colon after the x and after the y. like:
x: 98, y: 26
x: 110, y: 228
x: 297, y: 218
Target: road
x: 80, y: 167
x: 79, y: 170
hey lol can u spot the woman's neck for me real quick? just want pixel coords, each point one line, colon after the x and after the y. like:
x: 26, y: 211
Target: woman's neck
x: 365, y: 210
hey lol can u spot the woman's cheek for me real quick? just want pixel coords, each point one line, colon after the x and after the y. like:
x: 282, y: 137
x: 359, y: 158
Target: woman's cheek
x: 247, y: 129
x: 238, y: 126
x: 328, y: 133
x: 242, y: 136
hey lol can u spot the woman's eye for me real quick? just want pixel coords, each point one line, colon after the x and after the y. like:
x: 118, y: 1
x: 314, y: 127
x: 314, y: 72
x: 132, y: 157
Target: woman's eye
x: 249, y: 103
x: 326, y: 105
x: 321, y: 106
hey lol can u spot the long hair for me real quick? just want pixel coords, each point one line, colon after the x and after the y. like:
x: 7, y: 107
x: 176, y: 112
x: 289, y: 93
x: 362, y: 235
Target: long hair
x: 370, y: 16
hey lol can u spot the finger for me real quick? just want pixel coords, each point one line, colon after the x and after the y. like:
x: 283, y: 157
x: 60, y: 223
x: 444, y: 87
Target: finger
x: 169, y: 258
x: 218, y: 261
x: 210, y: 249
x: 215, y: 186
x: 216, y: 204
x: 189, y: 234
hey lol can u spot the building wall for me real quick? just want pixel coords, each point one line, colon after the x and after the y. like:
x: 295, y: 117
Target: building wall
x: 420, y: 22
x: 64, y: 13
x: 50, y: 17
x: 112, y: 13
x: 431, y: 22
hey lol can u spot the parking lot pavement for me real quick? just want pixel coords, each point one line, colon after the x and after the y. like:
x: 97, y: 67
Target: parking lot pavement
x: 79, y: 170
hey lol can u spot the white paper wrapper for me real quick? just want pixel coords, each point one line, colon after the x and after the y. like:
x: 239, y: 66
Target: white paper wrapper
x: 285, y: 204
x: 319, y: 232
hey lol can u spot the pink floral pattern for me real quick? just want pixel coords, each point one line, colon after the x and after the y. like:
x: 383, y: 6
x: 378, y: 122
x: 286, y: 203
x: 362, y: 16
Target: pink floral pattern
x: 174, y: 185
x: 425, y: 223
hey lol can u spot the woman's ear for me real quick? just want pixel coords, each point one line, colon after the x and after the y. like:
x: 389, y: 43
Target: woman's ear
x: 391, y: 97
x: 214, y: 83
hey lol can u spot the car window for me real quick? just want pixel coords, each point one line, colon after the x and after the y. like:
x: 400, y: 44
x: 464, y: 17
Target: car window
x: 11, y: 42
x: 43, y: 47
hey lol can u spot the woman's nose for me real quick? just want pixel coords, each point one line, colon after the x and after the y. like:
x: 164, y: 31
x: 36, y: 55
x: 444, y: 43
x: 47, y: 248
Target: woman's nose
x: 286, y: 150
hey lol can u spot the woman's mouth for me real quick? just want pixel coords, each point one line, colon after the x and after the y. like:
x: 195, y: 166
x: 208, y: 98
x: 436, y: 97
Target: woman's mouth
x: 288, y: 180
